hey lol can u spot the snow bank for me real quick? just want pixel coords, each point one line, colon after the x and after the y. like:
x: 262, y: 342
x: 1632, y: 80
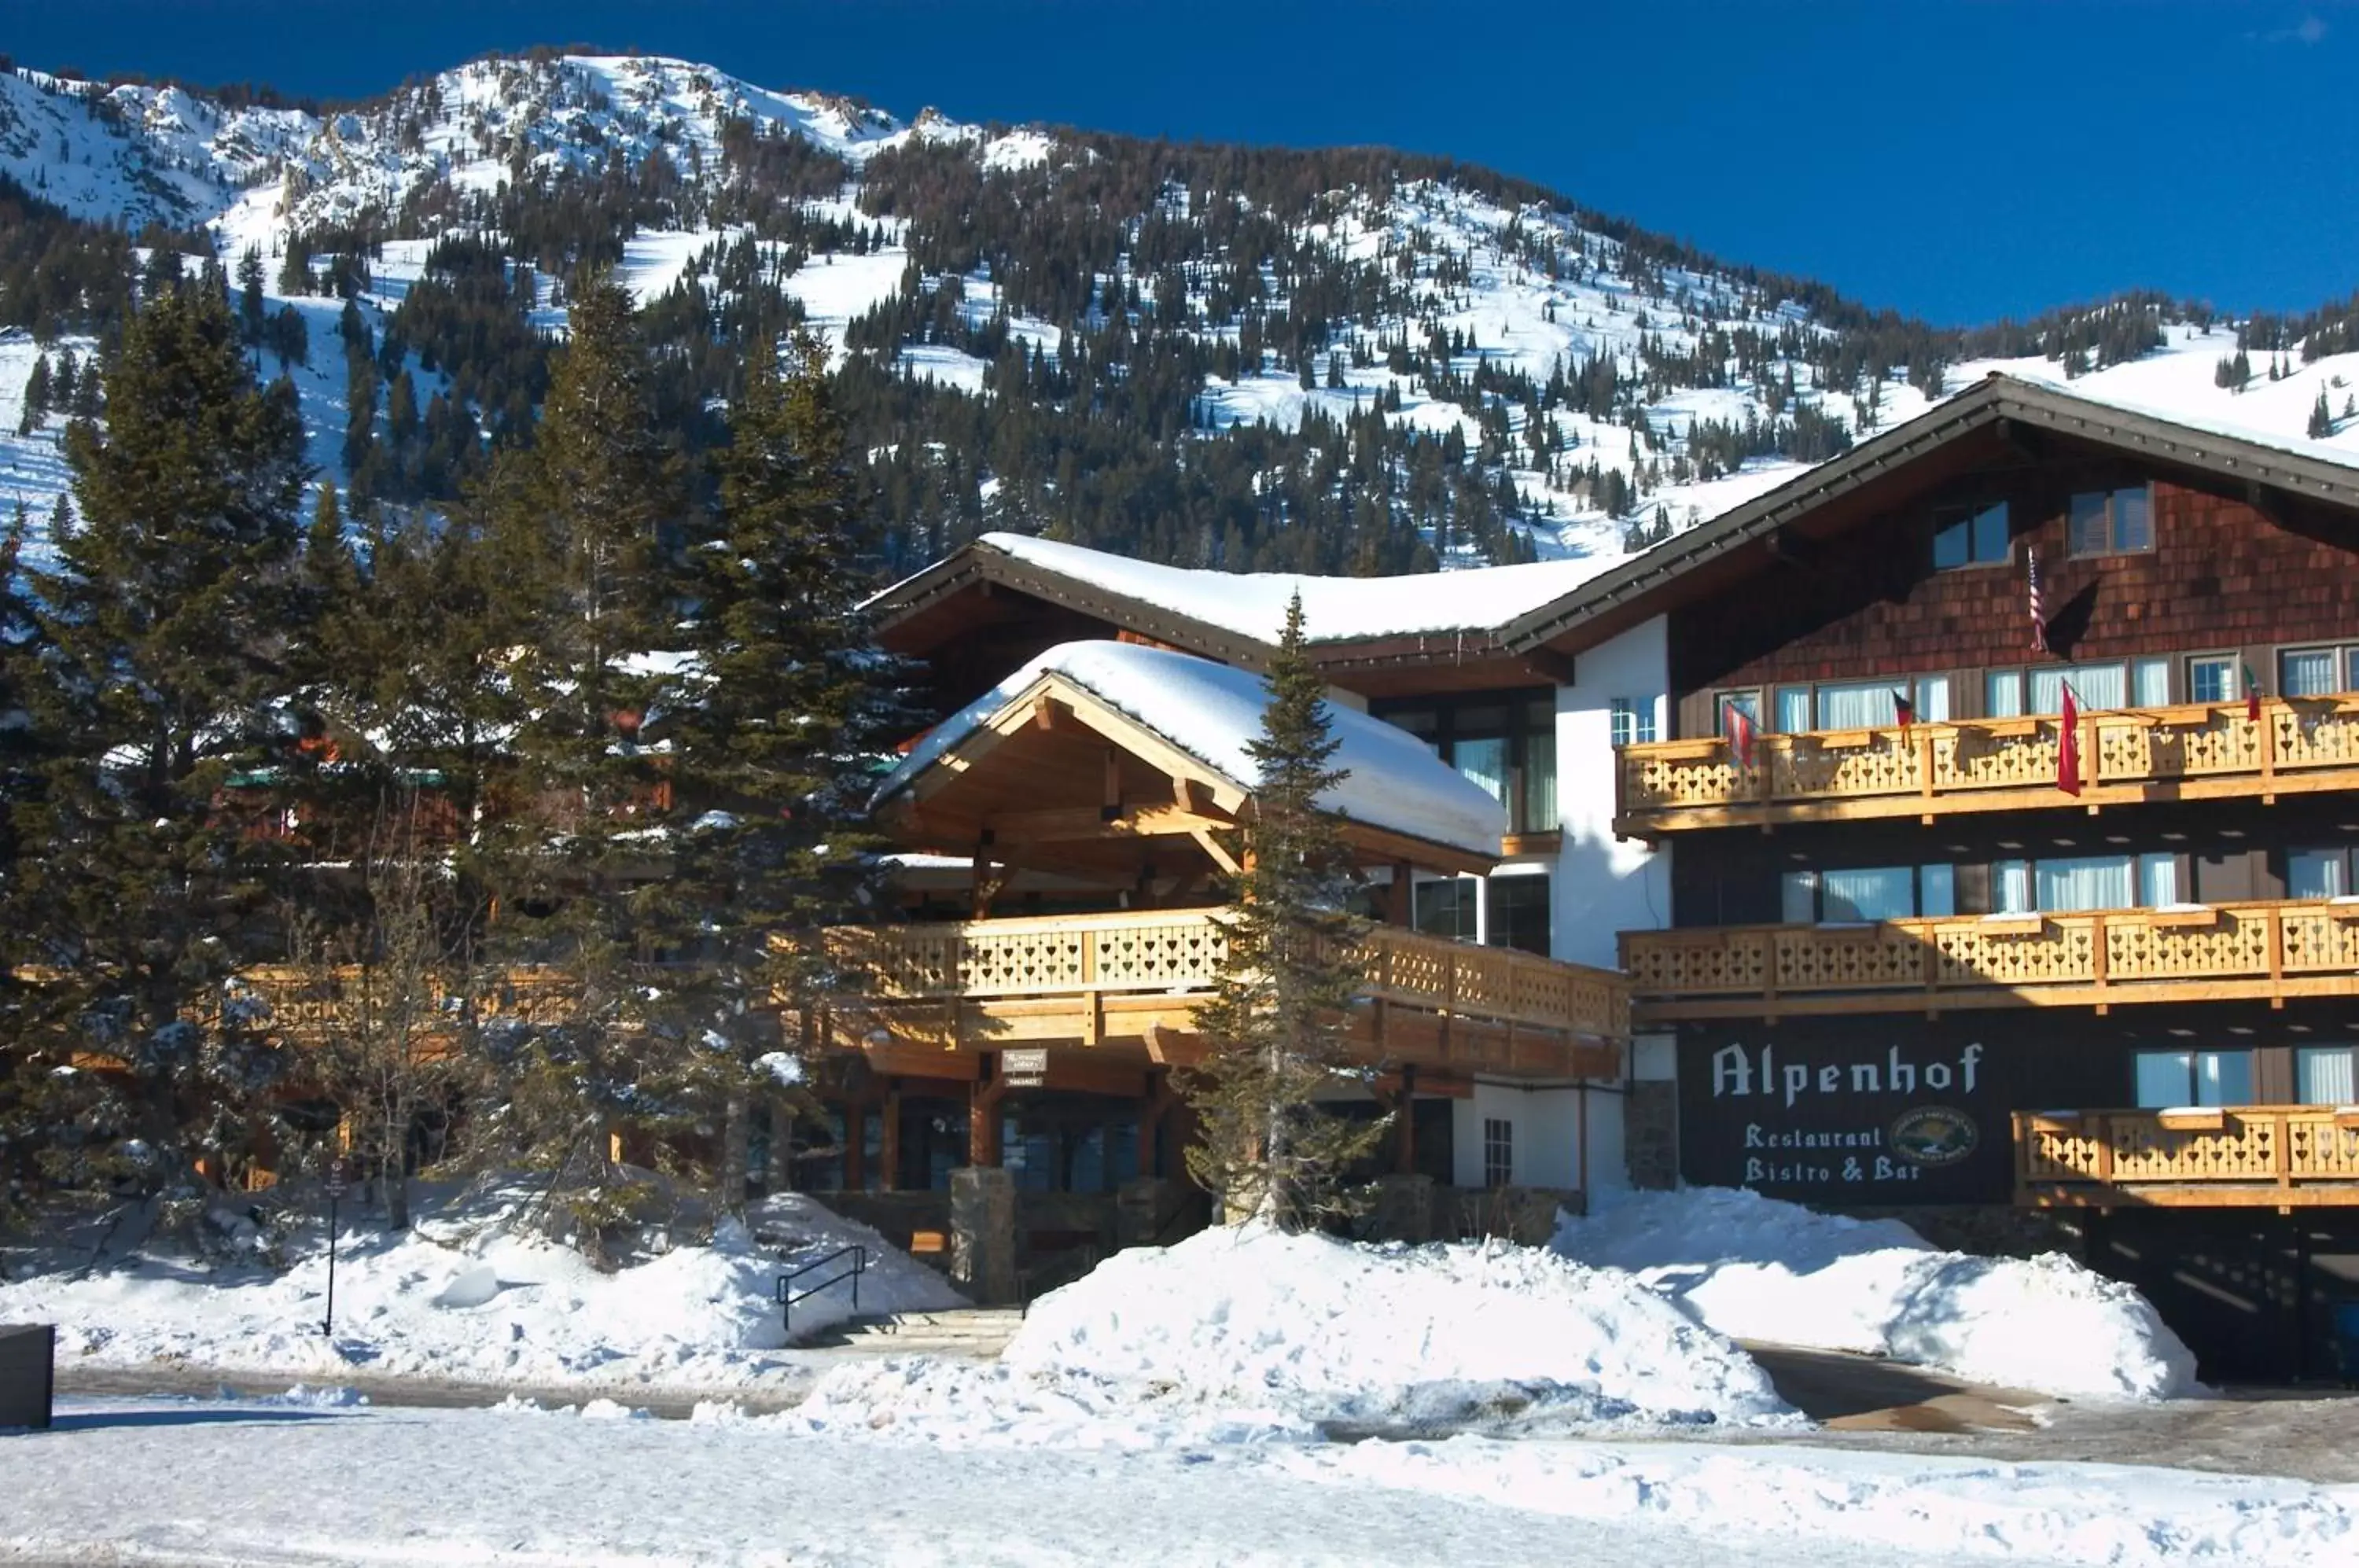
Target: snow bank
x: 1754, y: 1268
x: 1244, y: 1332
x: 470, y: 1296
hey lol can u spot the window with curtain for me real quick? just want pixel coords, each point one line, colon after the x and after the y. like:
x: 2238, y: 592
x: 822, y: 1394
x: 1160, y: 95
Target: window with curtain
x: 2094, y: 686
x: 2318, y: 873
x: 1869, y: 893
x: 1855, y: 705
x: 2150, y: 683
x: 2011, y: 887
x: 2327, y: 1074
x: 1933, y: 698
x: 1937, y: 891
x: 1535, y: 803
x: 1798, y: 897
x: 2086, y: 882
x: 1747, y: 702
x: 2003, y: 694
x: 2158, y: 880
x: 2164, y: 1079
x: 1793, y: 709
x: 2309, y: 672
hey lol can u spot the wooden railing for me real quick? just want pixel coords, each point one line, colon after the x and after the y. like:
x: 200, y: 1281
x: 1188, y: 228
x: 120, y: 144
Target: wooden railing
x: 2195, y: 953
x: 1179, y: 952
x: 2200, y: 752
x: 2282, y: 1156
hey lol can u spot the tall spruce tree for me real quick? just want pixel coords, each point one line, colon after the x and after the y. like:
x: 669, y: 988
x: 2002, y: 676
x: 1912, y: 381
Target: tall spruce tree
x: 166, y: 621
x: 577, y: 524
x: 1279, y: 1015
x: 773, y: 728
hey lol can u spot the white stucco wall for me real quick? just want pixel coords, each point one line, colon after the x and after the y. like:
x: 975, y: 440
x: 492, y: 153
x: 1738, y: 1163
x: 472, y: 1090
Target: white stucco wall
x: 1547, y: 1136
x: 1604, y: 886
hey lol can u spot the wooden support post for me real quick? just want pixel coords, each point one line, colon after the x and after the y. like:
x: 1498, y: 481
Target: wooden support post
x: 889, y: 1179
x: 855, y: 1145
x: 1152, y: 1110
x: 2098, y: 964
x: 1404, y: 1129
x: 2269, y: 741
x: 984, y: 1095
x: 1399, y: 905
x: 2275, y: 917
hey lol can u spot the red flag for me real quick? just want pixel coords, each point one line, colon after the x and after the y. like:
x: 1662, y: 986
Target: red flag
x: 2039, y: 616
x: 1906, y: 709
x: 2252, y: 696
x: 1739, y: 724
x: 2068, y: 747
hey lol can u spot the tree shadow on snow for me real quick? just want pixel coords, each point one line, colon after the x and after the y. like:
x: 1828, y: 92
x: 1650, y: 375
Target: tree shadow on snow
x: 207, y: 1415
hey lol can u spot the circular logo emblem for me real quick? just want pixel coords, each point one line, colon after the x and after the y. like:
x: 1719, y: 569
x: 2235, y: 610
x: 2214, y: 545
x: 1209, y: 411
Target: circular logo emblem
x: 1934, y: 1134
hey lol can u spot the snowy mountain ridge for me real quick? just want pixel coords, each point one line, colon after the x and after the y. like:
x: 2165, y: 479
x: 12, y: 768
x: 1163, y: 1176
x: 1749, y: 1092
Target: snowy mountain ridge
x: 1464, y: 301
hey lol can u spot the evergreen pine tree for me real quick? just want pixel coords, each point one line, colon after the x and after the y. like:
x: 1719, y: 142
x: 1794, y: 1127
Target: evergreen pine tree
x: 36, y: 396
x: 249, y: 294
x: 774, y: 729
x: 576, y: 524
x: 165, y: 617
x: 1278, y: 1019
x: 2322, y: 417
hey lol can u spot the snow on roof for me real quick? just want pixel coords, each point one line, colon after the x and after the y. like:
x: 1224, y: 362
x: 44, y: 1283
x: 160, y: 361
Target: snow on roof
x: 1335, y: 609
x: 1209, y: 711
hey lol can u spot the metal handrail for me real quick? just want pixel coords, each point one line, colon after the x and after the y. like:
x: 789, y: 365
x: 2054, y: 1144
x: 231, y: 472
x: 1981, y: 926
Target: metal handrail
x: 789, y: 1295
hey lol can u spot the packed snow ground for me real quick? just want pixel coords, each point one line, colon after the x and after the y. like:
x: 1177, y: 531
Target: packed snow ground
x: 1754, y: 1268
x: 474, y: 1295
x: 308, y: 1481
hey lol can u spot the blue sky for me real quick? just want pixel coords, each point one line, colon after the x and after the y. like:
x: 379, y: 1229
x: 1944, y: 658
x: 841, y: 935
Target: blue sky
x: 1957, y: 161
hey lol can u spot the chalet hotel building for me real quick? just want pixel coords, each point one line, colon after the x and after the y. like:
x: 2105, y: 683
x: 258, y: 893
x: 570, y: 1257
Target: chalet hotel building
x: 2101, y: 995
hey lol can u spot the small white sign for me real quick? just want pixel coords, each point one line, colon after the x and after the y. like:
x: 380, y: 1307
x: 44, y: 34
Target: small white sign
x: 1031, y: 1062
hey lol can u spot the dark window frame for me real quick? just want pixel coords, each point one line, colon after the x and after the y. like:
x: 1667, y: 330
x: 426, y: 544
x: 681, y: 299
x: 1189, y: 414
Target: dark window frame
x: 1964, y: 523
x: 2111, y: 524
x: 1448, y: 729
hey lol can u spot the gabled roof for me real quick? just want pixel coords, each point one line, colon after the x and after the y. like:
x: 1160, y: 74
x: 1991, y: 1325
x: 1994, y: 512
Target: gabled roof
x: 2307, y: 470
x: 1508, y: 611
x: 1209, y: 713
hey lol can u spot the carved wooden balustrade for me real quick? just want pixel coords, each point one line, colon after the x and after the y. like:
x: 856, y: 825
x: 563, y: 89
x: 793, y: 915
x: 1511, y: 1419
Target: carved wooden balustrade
x: 2277, y: 1156
x: 2242, y: 950
x: 1079, y: 976
x: 2203, y: 751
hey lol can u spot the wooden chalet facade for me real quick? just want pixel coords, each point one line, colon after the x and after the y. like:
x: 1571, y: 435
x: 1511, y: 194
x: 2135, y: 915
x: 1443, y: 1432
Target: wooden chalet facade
x: 1875, y: 965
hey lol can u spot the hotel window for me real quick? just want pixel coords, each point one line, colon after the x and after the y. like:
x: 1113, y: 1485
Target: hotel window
x: 1506, y: 743
x: 2144, y: 682
x: 2326, y: 1075
x: 1498, y: 1151
x: 1506, y: 909
x: 1867, y: 893
x: 2212, y: 678
x: 2113, y: 522
x: 2165, y: 1079
x: 1861, y: 705
x: 2318, y: 672
x: 1633, y: 720
x: 1748, y: 701
x: 2061, y: 886
x: 1970, y: 538
x: 2318, y: 873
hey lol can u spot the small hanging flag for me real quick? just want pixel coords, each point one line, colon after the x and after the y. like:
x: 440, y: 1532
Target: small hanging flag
x: 2252, y: 696
x: 1905, y: 710
x: 2039, y: 616
x: 2068, y: 747
x: 1739, y: 724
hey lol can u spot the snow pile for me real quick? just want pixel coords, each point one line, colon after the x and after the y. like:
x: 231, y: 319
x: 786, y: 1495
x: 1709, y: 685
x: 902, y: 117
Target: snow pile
x: 473, y: 1295
x: 1243, y: 1333
x: 1213, y: 710
x: 1754, y: 1268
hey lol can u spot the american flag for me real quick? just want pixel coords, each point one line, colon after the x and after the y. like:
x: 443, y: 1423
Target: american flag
x: 2039, y: 616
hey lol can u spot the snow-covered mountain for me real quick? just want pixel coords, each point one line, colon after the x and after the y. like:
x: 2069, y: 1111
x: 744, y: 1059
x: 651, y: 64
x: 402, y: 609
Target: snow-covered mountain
x: 1454, y: 305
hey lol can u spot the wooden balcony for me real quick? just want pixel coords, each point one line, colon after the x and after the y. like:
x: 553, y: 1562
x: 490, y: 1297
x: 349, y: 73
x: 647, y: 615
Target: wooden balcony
x: 2206, y: 751
x: 2281, y: 1157
x: 2227, y: 952
x: 1129, y: 984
